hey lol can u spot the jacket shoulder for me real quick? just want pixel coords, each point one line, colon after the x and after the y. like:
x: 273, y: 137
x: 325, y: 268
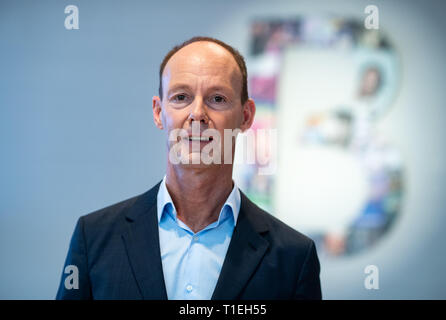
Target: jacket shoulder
x: 110, y: 213
x: 113, y: 215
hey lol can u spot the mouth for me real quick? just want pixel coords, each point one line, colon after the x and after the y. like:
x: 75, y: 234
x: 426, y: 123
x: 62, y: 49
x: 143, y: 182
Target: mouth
x: 200, y: 138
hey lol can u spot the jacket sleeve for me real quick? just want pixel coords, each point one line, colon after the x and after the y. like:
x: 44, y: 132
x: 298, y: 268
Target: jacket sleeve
x: 75, y: 283
x: 309, y: 285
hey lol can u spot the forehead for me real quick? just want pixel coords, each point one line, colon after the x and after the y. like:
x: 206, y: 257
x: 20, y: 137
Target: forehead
x: 202, y: 60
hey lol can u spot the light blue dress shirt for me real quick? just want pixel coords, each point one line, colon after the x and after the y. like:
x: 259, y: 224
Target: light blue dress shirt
x: 192, y: 261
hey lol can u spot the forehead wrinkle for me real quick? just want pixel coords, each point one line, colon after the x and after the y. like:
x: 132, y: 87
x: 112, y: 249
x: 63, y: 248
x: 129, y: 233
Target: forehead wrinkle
x: 200, y: 66
x: 203, y: 79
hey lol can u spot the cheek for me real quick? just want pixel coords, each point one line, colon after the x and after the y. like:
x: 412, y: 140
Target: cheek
x: 230, y: 120
x: 227, y: 120
x: 174, y: 118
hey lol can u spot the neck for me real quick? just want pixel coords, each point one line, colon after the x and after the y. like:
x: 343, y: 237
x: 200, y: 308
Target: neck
x: 199, y: 193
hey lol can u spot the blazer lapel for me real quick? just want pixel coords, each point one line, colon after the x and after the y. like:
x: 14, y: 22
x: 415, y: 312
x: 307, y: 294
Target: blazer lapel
x: 245, y: 251
x: 141, y: 241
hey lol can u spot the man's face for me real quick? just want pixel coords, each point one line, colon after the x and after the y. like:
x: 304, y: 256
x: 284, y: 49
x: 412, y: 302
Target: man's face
x: 202, y: 85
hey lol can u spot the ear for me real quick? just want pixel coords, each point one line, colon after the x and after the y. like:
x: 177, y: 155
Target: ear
x: 156, y: 108
x: 249, y: 110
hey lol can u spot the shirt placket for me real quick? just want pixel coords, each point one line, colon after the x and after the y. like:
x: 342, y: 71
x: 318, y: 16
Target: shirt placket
x: 191, y: 288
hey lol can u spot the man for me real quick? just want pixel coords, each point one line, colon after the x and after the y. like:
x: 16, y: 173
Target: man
x: 194, y: 235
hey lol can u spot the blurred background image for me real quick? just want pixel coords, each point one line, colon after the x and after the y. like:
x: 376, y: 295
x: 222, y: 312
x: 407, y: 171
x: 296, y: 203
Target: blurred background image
x: 358, y: 160
x: 339, y: 179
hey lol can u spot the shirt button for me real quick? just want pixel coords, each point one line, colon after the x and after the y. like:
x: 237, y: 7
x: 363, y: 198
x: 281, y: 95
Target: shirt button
x: 194, y: 238
x: 189, y: 288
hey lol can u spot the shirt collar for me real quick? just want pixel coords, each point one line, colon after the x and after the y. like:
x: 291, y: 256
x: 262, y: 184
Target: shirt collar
x: 233, y: 201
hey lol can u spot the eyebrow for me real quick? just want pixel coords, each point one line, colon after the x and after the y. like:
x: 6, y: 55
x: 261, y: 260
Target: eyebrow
x: 178, y: 87
x: 219, y: 87
x: 183, y: 86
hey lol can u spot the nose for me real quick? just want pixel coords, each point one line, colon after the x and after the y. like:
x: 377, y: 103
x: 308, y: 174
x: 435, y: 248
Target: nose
x: 198, y: 111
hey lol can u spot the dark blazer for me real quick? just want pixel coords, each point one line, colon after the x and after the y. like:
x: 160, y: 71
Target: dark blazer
x: 117, y: 253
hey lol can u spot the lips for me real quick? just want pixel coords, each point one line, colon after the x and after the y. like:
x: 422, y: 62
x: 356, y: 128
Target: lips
x: 200, y: 138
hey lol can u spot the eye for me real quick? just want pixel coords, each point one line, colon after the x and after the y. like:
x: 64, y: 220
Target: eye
x: 180, y: 97
x: 218, y: 99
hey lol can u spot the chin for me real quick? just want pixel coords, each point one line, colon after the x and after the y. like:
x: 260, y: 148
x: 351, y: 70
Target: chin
x: 195, y: 162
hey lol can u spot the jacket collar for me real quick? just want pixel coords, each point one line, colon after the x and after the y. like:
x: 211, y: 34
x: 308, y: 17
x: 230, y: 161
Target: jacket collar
x: 141, y: 239
x: 246, y: 250
x: 164, y: 198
